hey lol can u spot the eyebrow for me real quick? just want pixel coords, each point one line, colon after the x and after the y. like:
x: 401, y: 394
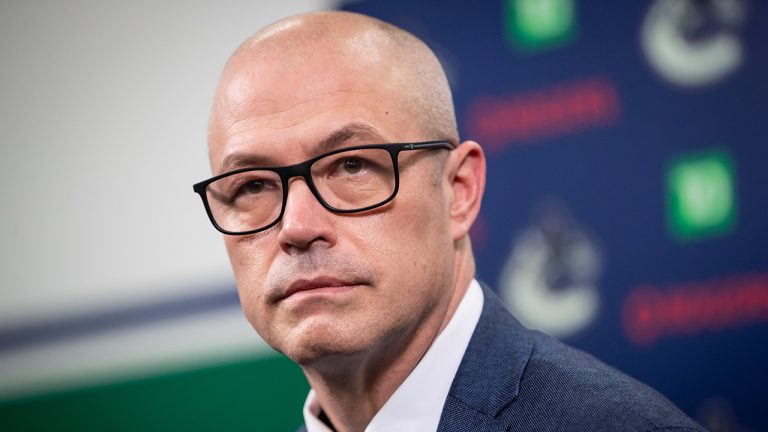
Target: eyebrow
x: 348, y: 132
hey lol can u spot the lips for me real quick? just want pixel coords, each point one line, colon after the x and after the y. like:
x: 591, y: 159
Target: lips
x: 324, y: 283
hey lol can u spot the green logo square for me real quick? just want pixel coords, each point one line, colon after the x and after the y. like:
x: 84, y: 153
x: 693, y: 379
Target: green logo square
x: 701, y: 195
x: 533, y: 25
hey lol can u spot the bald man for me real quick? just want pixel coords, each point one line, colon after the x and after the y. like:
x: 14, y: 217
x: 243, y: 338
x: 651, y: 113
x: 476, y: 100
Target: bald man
x: 346, y: 199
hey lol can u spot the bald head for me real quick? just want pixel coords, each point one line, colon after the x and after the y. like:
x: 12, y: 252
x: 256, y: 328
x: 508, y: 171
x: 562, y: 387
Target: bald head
x: 358, y: 48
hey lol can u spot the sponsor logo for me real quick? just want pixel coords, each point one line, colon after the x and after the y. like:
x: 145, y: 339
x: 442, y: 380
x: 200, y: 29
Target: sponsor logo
x: 566, y: 108
x: 549, y: 281
x: 701, y: 196
x: 650, y: 313
x: 533, y: 25
x: 691, y: 42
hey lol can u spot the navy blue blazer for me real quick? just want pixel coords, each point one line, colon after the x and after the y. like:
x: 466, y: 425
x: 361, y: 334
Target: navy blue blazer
x: 515, y: 379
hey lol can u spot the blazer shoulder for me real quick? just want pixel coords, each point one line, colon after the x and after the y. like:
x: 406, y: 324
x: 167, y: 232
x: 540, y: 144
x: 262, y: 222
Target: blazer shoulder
x: 526, y: 380
x: 588, y: 394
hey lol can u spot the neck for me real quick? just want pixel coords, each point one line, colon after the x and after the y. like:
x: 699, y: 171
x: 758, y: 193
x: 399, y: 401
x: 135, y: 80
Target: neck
x: 354, y: 389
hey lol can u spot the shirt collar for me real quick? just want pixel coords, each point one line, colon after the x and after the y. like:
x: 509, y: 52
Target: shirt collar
x: 411, y: 407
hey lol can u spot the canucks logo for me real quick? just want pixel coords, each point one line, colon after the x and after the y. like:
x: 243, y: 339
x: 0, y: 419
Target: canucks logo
x: 549, y: 281
x: 693, y: 43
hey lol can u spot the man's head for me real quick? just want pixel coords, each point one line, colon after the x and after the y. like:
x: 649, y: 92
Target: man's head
x: 370, y: 280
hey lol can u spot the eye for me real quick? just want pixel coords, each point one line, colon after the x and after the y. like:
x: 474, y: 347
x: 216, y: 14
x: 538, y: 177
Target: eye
x: 252, y: 187
x: 352, y: 165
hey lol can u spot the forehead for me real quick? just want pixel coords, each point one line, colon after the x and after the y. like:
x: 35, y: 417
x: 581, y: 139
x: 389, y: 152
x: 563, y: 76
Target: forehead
x: 285, y: 109
x: 348, y: 133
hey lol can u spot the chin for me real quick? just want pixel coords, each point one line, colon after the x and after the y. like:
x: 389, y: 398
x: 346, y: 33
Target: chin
x: 314, y: 346
x: 318, y: 356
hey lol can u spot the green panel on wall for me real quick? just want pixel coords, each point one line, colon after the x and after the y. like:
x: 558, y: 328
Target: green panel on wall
x: 264, y: 394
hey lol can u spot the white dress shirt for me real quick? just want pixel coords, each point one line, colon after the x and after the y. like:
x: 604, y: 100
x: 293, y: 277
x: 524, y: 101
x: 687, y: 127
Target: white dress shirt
x: 418, y: 403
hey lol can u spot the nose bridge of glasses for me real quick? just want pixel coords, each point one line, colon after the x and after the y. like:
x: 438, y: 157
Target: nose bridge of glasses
x: 299, y: 170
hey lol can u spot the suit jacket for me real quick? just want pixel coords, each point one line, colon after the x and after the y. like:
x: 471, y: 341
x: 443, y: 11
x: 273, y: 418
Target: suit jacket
x: 515, y: 379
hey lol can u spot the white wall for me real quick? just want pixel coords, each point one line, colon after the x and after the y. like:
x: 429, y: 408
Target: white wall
x: 103, y: 111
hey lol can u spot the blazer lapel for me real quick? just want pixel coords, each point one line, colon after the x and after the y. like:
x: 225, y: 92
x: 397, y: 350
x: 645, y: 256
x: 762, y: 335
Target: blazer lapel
x: 489, y: 375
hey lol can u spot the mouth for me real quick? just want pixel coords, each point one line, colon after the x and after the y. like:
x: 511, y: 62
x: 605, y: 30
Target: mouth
x: 318, y: 285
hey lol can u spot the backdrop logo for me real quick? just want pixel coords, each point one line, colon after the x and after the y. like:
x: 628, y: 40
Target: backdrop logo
x: 559, y: 110
x: 650, y: 313
x: 693, y: 43
x: 701, y: 196
x: 538, y: 24
x: 549, y: 281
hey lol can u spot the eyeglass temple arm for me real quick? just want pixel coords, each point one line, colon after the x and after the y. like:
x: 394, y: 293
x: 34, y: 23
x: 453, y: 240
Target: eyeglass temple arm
x: 426, y: 145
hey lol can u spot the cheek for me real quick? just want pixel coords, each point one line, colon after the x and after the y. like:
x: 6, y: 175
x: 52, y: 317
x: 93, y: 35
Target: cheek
x: 250, y: 265
x: 409, y: 242
x: 254, y: 252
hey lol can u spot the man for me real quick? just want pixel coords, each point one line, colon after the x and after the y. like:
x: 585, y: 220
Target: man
x: 346, y: 198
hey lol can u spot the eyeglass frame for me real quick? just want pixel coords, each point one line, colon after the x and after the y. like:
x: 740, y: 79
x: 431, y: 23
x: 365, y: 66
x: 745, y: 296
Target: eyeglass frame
x: 303, y: 169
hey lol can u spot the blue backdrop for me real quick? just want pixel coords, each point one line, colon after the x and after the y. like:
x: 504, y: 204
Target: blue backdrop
x: 626, y: 209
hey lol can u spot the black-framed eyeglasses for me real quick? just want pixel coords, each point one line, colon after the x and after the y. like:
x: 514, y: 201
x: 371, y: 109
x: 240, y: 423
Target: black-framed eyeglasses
x: 347, y: 180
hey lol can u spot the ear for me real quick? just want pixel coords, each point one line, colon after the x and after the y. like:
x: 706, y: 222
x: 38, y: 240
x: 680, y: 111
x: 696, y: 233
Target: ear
x: 466, y: 177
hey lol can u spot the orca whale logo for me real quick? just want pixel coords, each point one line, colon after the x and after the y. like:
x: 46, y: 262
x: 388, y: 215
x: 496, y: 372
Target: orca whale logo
x: 693, y: 43
x: 549, y: 281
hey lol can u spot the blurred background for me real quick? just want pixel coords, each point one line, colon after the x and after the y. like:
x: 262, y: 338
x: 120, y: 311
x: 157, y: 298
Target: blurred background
x: 626, y: 211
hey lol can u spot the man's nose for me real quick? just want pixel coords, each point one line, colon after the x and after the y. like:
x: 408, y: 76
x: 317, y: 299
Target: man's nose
x: 305, y: 221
